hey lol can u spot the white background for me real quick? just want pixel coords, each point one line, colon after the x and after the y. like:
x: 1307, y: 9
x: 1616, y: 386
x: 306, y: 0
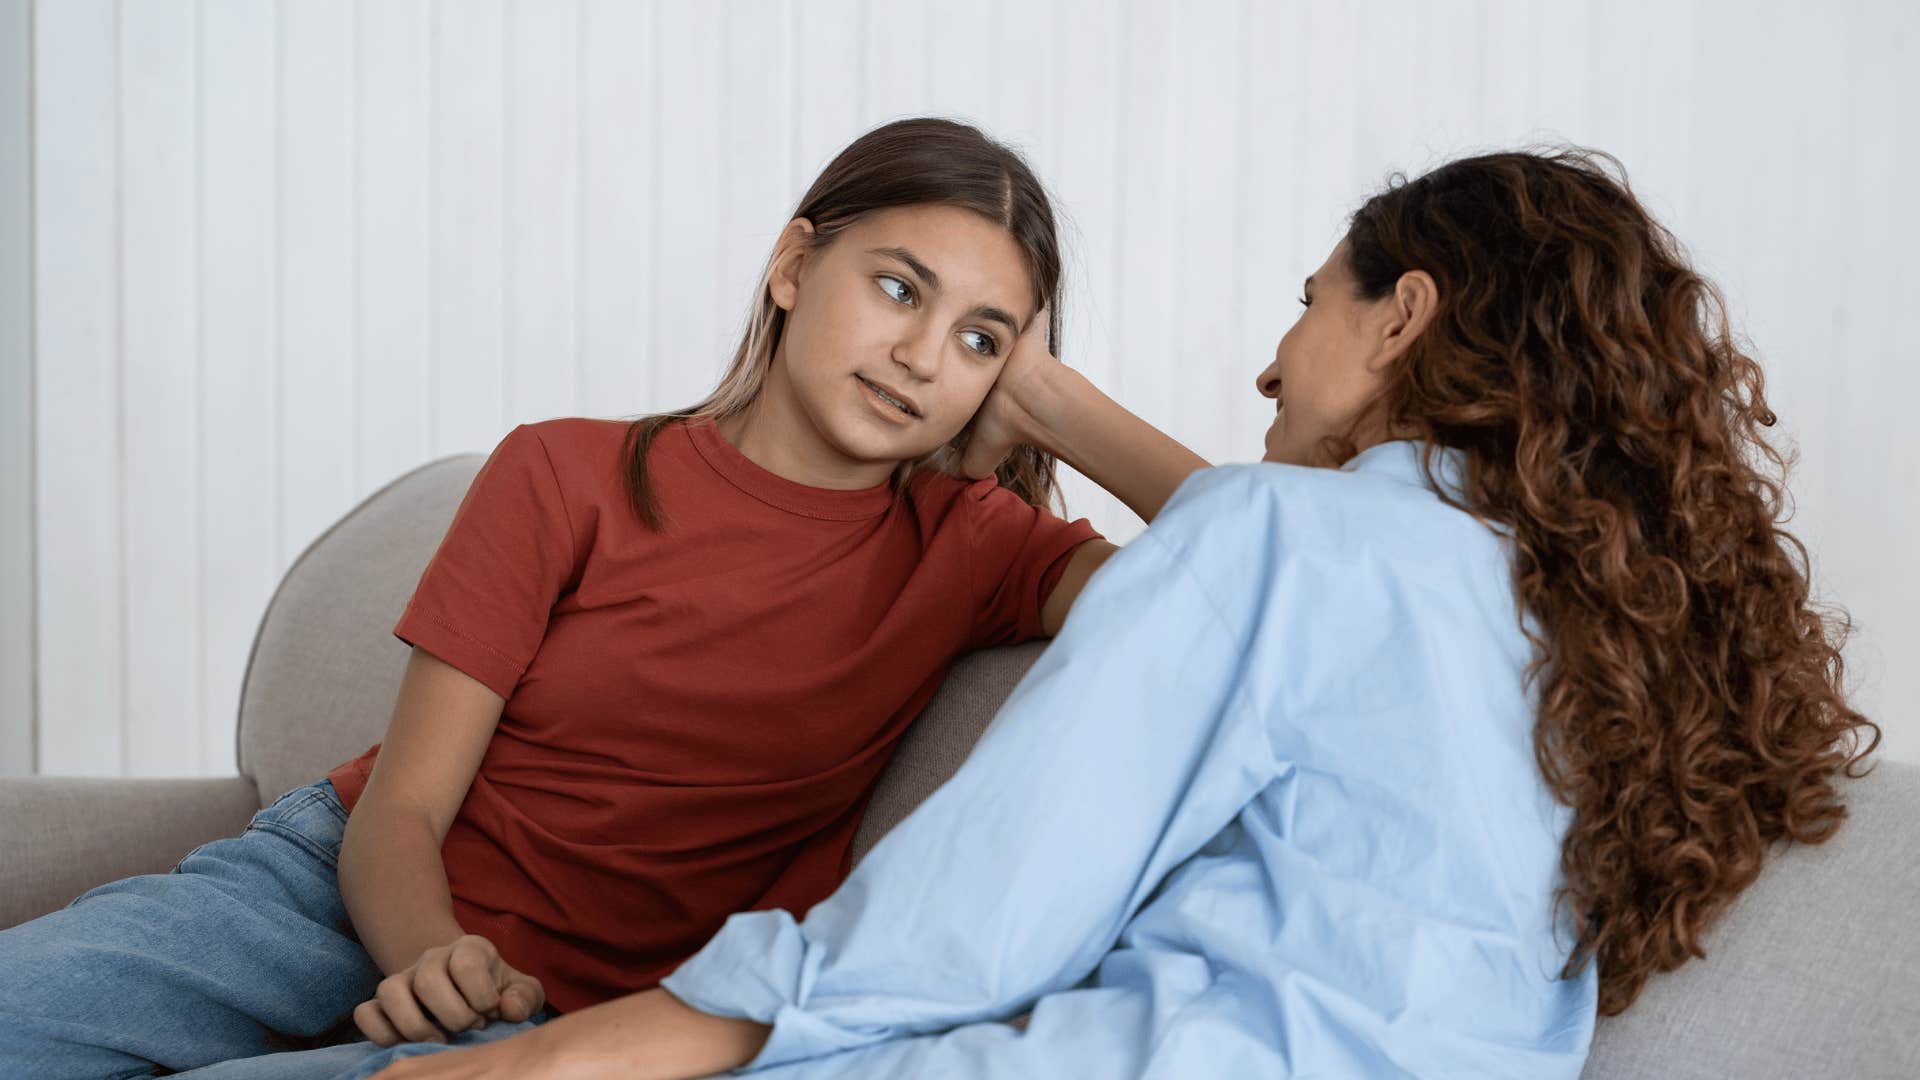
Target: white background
x: 258, y: 259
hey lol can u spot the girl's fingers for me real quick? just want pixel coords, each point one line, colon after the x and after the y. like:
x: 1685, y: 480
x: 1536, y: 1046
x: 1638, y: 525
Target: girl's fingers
x: 444, y: 1002
x: 531, y: 994
x: 395, y: 995
x: 372, y: 1021
x: 476, y: 974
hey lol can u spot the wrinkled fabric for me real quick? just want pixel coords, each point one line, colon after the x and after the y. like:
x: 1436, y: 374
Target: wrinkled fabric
x: 1267, y: 806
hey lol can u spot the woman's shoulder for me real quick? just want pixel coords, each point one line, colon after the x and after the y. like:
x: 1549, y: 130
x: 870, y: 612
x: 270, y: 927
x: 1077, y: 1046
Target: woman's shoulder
x: 1299, y: 512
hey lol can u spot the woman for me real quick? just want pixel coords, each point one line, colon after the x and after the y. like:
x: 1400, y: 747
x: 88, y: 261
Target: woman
x: 1405, y: 752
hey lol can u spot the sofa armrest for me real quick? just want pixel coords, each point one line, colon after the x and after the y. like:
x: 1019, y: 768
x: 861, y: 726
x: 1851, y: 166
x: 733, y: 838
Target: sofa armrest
x: 63, y: 835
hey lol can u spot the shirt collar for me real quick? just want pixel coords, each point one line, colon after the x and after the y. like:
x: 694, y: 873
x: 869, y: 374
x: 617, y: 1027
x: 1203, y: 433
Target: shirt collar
x: 1400, y: 459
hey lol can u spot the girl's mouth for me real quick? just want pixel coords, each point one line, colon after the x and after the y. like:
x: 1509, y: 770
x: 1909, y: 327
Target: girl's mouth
x: 893, y: 403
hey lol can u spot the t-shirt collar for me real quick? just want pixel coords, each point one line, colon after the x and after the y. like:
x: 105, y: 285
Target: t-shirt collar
x: 779, y: 492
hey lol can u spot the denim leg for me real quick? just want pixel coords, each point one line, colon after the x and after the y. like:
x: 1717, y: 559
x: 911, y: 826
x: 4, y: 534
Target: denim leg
x: 244, y: 948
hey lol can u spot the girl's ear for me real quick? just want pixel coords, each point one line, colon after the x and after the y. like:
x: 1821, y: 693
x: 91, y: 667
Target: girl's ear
x: 789, y: 252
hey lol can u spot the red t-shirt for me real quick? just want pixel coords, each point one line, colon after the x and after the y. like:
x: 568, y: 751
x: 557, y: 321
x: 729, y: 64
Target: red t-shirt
x: 694, y: 719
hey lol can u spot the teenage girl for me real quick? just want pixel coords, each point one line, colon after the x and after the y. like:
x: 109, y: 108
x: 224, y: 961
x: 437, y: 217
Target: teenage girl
x: 657, y: 667
x: 1407, y: 751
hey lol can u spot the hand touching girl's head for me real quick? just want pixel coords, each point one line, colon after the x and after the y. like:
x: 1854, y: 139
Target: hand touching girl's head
x: 886, y: 310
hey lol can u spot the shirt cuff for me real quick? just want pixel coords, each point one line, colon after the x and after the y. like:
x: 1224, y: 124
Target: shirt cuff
x: 759, y: 967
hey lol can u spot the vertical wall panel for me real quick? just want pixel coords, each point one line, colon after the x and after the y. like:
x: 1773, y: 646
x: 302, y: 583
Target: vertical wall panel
x: 1144, y: 321
x: 543, y: 208
x: 256, y: 259
x: 963, y: 60
x: 756, y: 191
x: 1207, y: 292
x: 319, y: 317
x: 688, y: 339
x: 898, y: 82
x: 467, y: 368
x: 617, y: 146
x: 17, y: 676
x: 1086, y: 40
x: 392, y: 185
x: 160, y: 373
x: 237, y: 374
x: 827, y: 85
x: 1270, y: 262
x: 77, y: 387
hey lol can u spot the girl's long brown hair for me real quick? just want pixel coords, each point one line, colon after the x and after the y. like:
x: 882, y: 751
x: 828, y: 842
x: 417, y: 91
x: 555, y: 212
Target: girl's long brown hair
x: 1690, y: 697
x: 923, y: 160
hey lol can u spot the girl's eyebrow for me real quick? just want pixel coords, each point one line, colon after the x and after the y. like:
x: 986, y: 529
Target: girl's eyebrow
x: 1307, y: 285
x: 926, y: 274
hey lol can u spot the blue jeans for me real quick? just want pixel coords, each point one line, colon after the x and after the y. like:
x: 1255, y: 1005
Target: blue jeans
x: 240, y: 962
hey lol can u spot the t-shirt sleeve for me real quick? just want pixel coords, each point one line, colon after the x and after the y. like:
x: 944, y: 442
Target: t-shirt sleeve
x: 1019, y: 553
x: 483, y: 600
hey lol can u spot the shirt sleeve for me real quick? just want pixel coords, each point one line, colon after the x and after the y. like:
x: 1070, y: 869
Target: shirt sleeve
x: 1019, y: 553
x: 1126, y: 747
x: 483, y: 600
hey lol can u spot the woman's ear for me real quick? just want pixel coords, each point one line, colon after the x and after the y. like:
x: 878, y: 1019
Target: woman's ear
x: 1411, y: 308
x: 789, y: 252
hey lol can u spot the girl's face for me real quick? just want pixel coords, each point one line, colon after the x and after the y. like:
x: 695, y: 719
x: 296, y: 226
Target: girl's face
x: 1330, y: 364
x: 894, y: 333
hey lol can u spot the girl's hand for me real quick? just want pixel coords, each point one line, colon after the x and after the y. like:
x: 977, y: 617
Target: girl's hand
x: 461, y: 985
x: 1005, y: 419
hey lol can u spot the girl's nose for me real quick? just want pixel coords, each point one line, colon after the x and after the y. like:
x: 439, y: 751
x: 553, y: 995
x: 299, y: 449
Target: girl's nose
x: 919, y: 354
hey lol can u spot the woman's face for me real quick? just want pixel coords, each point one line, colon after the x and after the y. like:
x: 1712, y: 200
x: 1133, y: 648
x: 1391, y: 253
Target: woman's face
x: 894, y: 333
x: 1335, y: 358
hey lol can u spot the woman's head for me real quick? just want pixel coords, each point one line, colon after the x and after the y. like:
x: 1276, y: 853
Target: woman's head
x: 1330, y: 366
x: 907, y: 271
x: 1691, y: 707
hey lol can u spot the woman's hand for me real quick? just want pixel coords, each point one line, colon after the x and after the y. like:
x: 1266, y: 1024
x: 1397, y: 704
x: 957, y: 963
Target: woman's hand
x: 648, y: 1035
x: 460, y: 985
x: 526, y: 1056
x: 1006, y: 417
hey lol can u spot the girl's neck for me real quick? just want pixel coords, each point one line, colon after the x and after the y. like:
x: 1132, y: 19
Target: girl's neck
x: 775, y: 434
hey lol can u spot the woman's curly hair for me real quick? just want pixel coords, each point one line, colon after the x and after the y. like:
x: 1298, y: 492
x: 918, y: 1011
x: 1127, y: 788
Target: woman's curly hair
x: 1690, y: 701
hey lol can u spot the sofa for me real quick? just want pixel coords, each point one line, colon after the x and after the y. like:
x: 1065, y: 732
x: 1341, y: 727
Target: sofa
x: 1814, y: 971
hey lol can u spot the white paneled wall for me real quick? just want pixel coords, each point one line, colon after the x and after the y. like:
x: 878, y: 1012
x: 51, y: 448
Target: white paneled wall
x: 257, y: 259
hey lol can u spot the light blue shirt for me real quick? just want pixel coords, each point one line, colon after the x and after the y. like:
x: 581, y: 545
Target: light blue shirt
x: 1267, y: 806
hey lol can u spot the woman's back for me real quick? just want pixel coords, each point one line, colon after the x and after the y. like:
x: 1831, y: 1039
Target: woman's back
x: 1398, y: 870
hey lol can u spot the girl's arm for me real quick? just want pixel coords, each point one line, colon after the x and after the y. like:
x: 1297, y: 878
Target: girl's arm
x: 1038, y: 401
x: 1041, y: 402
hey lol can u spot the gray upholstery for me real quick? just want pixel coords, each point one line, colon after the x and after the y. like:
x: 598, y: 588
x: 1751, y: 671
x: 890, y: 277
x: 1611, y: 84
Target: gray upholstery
x: 1812, y: 972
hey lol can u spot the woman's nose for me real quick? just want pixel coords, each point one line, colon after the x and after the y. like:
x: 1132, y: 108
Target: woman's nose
x: 1269, y: 381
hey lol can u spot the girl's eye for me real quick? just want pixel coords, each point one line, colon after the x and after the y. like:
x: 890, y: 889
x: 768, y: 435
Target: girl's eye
x: 908, y: 289
x: 988, y: 346
x: 1304, y: 302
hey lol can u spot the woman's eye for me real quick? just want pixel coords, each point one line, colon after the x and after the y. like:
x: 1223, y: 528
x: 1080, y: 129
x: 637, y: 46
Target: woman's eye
x: 987, y: 346
x: 904, y: 287
x: 1304, y: 302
